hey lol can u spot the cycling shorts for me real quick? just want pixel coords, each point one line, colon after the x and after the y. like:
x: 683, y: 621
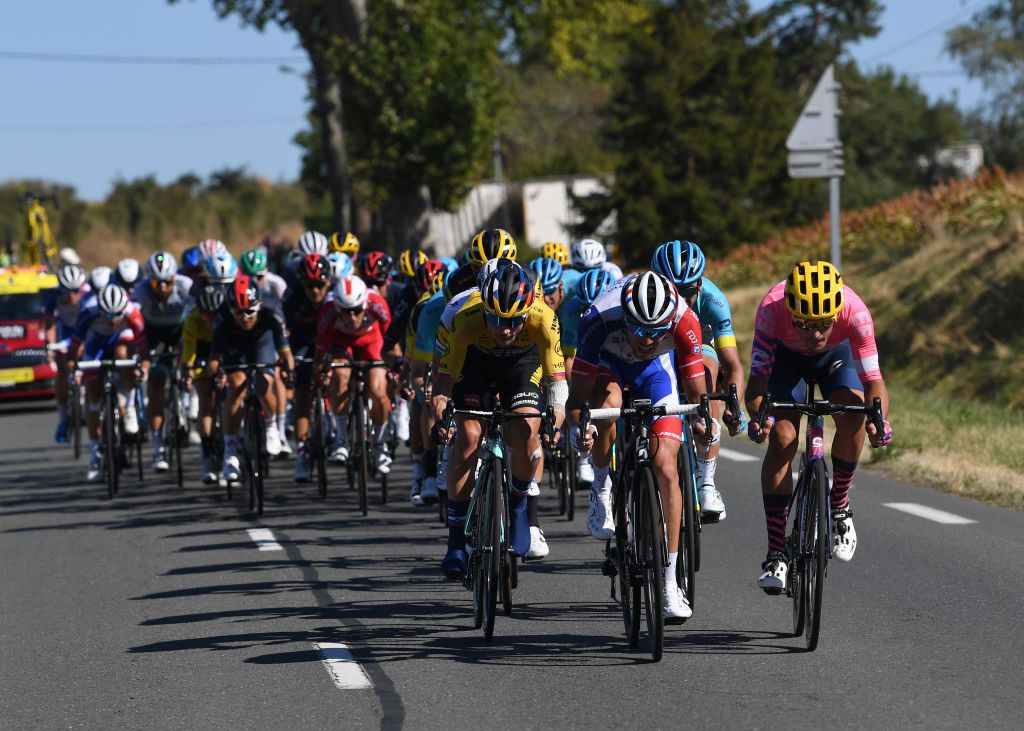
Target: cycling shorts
x: 259, y: 350
x: 303, y: 369
x: 832, y: 370
x: 653, y: 379
x: 515, y: 379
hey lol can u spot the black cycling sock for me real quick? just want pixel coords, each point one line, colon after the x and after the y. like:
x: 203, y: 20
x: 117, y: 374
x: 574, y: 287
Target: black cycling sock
x: 457, y: 510
x: 430, y: 462
x: 206, y: 445
x: 531, y: 510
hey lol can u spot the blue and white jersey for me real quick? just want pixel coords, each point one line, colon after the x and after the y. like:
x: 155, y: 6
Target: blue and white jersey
x: 170, y: 312
x: 64, y: 314
x: 453, y: 306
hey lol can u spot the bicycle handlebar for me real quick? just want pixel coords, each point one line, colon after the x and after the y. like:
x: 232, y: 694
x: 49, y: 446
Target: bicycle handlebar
x: 93, y: 365
x: 823, y: 407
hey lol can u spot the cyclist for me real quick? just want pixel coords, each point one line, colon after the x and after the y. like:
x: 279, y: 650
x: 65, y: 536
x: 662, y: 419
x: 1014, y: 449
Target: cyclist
x: 591, y: 254
x: 127, y: 274
x: 588, y: 288
x: 375, y: 271
x: 67, y: 255
x: 302, y: 312
x: 352, y: 326
x: 211, y: 247
x: 492, y: 243
x: 812, y: 326
x: 196, y: 337
x: 99, y: 278
x: 347, y: 244
x: 61, y: 306
x: 556, y: 250
x: 250, y: 334
x: 635, y: 335
x: 110, y: 328
x: 163, y: 298
x: 221, y: 269
x: 683, y: 262
x: 192, y: 262
x: 502, y: 340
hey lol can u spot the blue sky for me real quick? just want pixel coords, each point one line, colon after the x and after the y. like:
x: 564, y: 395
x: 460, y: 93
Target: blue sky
x: 89, y: 124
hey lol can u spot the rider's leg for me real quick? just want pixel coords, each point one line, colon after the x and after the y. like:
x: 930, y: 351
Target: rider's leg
x: 600, y: 521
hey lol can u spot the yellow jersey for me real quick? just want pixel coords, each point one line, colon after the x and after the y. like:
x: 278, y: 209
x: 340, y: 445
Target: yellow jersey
x: 196, y: 336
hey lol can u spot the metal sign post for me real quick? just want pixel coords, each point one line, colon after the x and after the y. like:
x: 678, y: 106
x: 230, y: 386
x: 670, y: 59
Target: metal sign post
x: 815, y: 150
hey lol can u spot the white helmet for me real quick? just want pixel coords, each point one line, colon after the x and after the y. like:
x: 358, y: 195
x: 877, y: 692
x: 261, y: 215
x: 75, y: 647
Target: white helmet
x: 313, y: 242
x: 161, y: 266
x: 588, y: 254
x: 350, y: 294
x: 341, y: 265
x: 99, y: 278
x: 69, y: 256
x: 489, y: 266
x: 71, y: 277
x: 211, y: 247
x: 649, y: 301
x: 113, y: 300
x: 128, y: 272
x: 221, y: 268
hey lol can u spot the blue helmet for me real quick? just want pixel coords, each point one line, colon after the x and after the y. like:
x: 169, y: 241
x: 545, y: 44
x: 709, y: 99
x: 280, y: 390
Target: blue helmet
x: 449, y: 263
x: 681, y: 261
x: 592, y: 283
x: 548, y: 272
x: 191, y: 260
x: 221, y: 268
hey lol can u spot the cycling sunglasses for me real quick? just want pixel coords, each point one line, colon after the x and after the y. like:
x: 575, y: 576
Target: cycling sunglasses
x: 691, y: 291
x: 315, y: 283
x: 160, y: 283
x: 352, y: 311
x: 645, y: 331
x: 249, y: 312
x: 813, y: 325
x: 511, y: 323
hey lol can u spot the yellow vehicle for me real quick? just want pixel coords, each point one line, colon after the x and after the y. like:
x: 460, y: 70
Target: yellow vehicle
x: 25, y: 370
x: 39, y: 247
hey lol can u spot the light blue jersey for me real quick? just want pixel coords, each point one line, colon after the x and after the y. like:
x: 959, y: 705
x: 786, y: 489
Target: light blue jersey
x: 569, y: 316
x: 715, y: 317
x: 427, y: 326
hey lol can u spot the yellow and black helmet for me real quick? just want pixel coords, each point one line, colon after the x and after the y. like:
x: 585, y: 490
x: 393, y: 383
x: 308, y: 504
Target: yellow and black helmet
x: 347, y: 244
x: 492, y: 243
x: 556, y: 250
x: 409, y: 260
x: 508, y: 291
x: 814, y: 291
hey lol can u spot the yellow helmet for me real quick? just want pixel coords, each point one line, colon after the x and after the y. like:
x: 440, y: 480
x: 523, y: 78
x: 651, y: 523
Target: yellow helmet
x: 508, y: 291
x: 437, y: 283
x: 348, y: 245
x: 814, y: 291
x: 493, y: 243
x: 408, y: 260
x: 556, y: 250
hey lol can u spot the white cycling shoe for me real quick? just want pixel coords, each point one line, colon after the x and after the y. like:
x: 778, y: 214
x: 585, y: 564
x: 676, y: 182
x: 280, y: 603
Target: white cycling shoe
x: 160, y: 463
x: 95, y: 471
x: 383, y: 462
x: 402, y: 420
x: 232, y: 470
x: 416, y: 493
x: 339, y: 455
x: 131, y: 420
x: 273, y: 441
x: 538, y: 543
x: 844, y: 536
x: 675, y: 607
x: 286, y: 448
x: 599, y: 515
x: 584, y: 470
x: 207, y: 474
x: 712, y: 507
x: 773, y: 578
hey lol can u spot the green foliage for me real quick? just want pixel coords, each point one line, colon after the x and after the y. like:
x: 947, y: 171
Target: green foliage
x: 991, y: 48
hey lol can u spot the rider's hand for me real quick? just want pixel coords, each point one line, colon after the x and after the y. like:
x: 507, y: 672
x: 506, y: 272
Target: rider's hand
x: 759, y: 434
x: 77, y: 377
x: 288, y: 377
x: 700, y: 431
x: 439, y: 434
x: 407, y: 393
x: 876, y: 439
x: 734, y: 423
x: 586, y: 443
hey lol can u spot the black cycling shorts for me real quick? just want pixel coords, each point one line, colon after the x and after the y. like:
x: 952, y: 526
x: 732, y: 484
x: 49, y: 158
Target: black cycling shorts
x: 258, y: 350
x: 514, y: 379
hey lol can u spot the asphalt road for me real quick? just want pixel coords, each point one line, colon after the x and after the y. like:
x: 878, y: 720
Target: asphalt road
x: 158, y: 610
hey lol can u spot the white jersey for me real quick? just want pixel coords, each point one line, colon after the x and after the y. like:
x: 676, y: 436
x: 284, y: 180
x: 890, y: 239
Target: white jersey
x: 273, y: 287
x: 453, y: 306
x: 613, y: 268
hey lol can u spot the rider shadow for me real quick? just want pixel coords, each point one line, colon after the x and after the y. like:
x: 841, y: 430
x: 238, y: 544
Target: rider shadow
x: 729, y: 642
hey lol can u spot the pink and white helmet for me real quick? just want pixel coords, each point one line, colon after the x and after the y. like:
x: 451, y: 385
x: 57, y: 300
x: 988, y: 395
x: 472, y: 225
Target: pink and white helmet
x: 212, y: 247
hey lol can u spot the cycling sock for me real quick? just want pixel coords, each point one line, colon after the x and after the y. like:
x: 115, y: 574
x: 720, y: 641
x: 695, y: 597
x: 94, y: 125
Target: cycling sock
x: 157, y: 440
x: 601, y: 480
x: 457, y: 510
x: 517, y: 495
x: 282, y: 423
x: 430, y: 463
x: 206, y: 445
x: 531, y: 510
x: 341, y: 425
x: 776, y: 511
x: 62, y: 412
x: 270, y: 421
x: 670, y: 568
x: 417, y: 466
x: 230, y: 443
x: 706, y: 471
x: 842, y: 477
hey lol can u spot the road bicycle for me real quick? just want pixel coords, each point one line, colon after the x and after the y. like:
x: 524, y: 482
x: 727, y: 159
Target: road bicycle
x: 253, y: 444
x: 113, y: 447
x: 809, y: 542
x: 491, y: 573
x: 637, y: 559
x: 360, y: 429
x: 561, y: 464
x: 75, y: 402
x: 322, y: 432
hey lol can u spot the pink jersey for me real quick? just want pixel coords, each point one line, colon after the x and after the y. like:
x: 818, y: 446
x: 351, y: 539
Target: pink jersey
x: 774, y: 327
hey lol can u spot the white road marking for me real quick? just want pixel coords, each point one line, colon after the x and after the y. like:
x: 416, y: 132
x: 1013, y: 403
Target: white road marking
x: 346, y: 673
x: 736, y: 456
x: 923, y: 511
x: 264, y: 539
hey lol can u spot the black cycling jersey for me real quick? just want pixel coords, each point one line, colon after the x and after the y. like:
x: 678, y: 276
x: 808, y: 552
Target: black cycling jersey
x: 228, y: 336
x: 400, y: 314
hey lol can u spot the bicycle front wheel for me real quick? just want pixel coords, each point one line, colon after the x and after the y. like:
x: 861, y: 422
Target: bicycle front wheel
x: 569, y: 472
x: 75, y: 418
x: 493, y: 545
x: 362, y: 449
x: 315, y: 445
x: 650, y: 537
x: 816, y: 542
x: 111, y: 456
x: 686, y: 564
x: 625, y: 565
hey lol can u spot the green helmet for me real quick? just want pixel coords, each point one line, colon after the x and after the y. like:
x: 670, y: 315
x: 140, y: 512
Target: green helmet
x: 254, y: 261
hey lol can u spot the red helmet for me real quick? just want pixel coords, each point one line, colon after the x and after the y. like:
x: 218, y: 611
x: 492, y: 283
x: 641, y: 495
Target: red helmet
x: 425, y: 274
x: 244, y: 294
x: 376, y: 267
x: 314, y: 268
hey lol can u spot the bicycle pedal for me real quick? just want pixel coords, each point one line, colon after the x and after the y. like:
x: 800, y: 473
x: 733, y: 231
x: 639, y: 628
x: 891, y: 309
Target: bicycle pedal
x: 771, y: 592
x: 609, y: 569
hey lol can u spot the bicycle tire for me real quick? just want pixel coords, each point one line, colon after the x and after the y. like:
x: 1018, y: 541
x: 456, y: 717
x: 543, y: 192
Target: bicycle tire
x: 492, y: 546
x: 554, y: 465
x: 797, y: 587
x: 315, y: 444
x: 360, y: 448
x: 111, y: 457
x: 629, y: 594
x: 569, y: 467
x: 649, y: 530
x: 686, y: 564
x: 477, y: 565
x: 75, y: 419
x: 818, y: 533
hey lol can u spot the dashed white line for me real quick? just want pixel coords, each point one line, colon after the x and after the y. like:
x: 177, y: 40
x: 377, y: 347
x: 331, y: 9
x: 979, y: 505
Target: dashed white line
x: 264, y: 539
x: 736, y: 456
x: 923, y: 511
x: 346, y: 673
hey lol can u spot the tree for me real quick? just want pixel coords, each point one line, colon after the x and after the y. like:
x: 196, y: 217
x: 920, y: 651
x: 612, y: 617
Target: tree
x: 318, y: 23
x: 991, y: 48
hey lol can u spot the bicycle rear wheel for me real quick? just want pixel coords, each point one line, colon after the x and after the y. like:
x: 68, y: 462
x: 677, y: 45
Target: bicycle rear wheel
x: 686, y: 565
x: 649, y: 528
x: 75, y: 418
x: 361, y: 448
x: 315, y: 444
x: 111, y: 453
x: 255, y: 454
x: 816, y: 541
x: 492, y: 546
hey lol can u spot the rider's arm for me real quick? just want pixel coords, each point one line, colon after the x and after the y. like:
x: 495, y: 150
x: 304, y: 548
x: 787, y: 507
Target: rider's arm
x: 689, y: 361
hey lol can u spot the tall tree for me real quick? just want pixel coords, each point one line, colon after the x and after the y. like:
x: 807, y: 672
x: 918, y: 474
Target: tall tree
x: 991, y: 48
x: 318, y: 23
